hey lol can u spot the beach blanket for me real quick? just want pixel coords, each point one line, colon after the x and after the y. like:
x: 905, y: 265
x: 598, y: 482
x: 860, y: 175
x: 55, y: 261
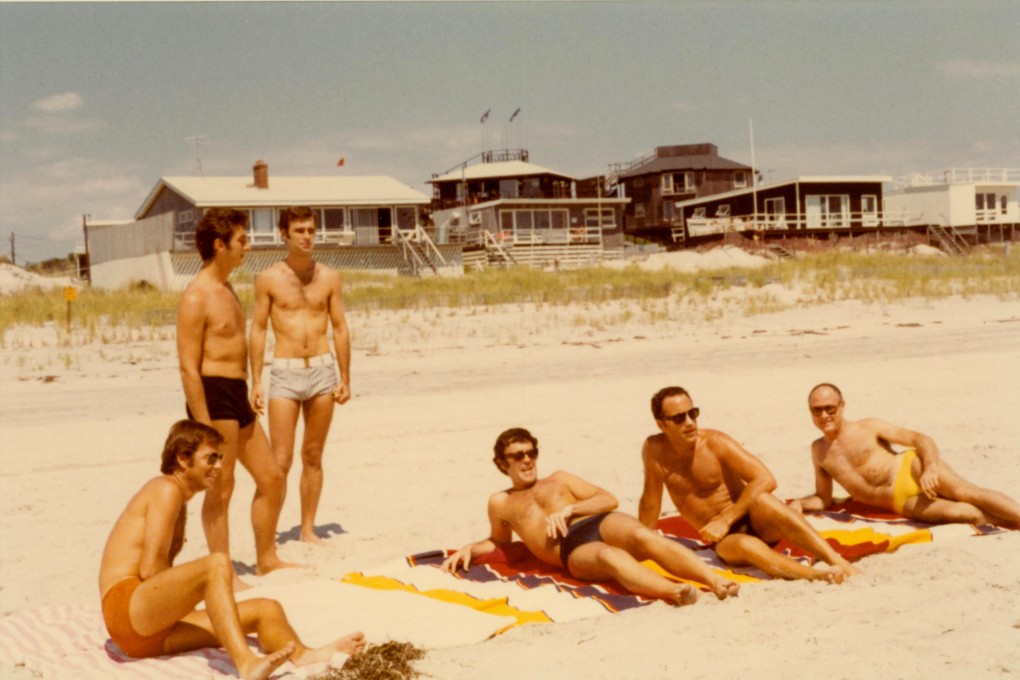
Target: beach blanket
x: 412, y: 599
x: 512, y: 582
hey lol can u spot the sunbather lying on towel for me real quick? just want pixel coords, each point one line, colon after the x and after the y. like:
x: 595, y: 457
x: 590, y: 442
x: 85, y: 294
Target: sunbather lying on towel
x: 566, y: 521
x: 149, y: 604
x: 917, y: 483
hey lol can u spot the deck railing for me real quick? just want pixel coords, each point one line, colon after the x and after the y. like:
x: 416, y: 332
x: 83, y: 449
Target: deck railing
x: 704, y: 226
x: 960, y: 176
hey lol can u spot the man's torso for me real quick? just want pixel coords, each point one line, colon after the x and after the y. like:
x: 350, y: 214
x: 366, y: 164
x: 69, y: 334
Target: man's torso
x: 861, y: 463
x: 299, y: 310
x: 698, y: 484
x: 224, y: 348
x: 526, y: 512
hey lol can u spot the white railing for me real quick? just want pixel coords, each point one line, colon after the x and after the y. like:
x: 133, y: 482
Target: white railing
x: 705, y: 226
x: 960, y: 176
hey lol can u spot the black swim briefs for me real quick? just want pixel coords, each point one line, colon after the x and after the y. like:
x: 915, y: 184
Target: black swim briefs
x: 743, y: 526
x: 226, y: 399
x: 580, y: 532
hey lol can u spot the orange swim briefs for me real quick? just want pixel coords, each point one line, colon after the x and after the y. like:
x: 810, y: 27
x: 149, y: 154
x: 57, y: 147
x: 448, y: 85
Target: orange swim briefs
x: 117, y: 616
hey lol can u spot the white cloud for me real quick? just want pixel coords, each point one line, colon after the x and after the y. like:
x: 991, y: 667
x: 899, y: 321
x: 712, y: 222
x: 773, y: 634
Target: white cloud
x: 59, y: 103
x: 976, y: 68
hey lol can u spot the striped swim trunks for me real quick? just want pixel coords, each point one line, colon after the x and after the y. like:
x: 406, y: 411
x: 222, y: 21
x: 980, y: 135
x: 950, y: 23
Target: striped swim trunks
x: 302, y: 379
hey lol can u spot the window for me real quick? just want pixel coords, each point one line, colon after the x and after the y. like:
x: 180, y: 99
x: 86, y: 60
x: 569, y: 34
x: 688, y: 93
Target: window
x: 678, y: 183
x: 869, y: 211
x: 723, y: 210
x: 188, y: 216
x: 508, y: 188
x: 775, y: 213
x: 699, y: 213
x: 739, y: 179
x: 1004, y: 203
x: 591, y: 218
x: 827, y: 211
x: 334, y: 219
x: 406, y: 218
x: 262, y: 225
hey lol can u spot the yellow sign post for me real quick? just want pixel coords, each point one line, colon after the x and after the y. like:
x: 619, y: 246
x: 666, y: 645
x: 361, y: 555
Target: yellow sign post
x: 70, y: 295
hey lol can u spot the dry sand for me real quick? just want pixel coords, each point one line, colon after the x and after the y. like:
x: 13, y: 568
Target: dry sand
x: 408, y: 469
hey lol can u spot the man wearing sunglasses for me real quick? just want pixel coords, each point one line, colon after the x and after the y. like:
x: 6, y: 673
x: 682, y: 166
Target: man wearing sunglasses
x: 570, y: 523
x: 725, y: 492
x: 915, y: 483
x: 149, y: 603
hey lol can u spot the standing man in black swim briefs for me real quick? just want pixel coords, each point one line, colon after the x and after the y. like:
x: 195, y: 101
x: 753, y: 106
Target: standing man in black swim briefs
x: 213, y: 358
x: 725, y: 492
x: 304, y: 300
x: 566, y: 521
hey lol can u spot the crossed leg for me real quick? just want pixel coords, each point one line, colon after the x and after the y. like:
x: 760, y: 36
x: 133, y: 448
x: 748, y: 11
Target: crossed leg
x: 962, y: 501
x: 283, y: 416
x: 625, y: 543
x: 773, y: 520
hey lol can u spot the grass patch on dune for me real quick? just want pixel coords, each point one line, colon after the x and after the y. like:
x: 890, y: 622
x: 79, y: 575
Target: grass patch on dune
x: 819, y: 278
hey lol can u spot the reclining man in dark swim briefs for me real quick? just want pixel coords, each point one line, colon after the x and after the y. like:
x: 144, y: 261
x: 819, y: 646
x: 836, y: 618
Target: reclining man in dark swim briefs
x: 725, y: 493
x: 213, y: 358
x: 149, y: 604
x: 916, y: 483
x: 566, y: 521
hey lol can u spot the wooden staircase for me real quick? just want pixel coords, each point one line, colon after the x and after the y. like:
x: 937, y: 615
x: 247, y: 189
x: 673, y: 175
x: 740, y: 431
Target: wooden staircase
x: 947, y: 240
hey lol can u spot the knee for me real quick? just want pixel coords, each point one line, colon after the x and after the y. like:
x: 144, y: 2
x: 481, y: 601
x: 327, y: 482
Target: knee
x: 311, y: 459
x: 220, y: 566
x: 268, y: 607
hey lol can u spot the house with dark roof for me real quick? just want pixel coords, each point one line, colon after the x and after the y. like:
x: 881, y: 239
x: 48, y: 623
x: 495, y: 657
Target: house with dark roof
x: 505, y: 210
x: 656, y: 181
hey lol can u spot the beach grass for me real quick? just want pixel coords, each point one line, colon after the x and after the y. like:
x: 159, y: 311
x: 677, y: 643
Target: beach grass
x: 142, y: 312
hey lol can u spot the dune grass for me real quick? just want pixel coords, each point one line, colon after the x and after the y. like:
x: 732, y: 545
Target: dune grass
x: 138, y: 313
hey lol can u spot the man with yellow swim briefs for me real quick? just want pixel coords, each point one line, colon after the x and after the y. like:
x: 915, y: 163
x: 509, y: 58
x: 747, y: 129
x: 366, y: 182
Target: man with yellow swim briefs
x: 917, y: 483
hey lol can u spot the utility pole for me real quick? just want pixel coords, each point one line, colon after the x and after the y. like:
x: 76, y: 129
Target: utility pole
x: 88, y: 258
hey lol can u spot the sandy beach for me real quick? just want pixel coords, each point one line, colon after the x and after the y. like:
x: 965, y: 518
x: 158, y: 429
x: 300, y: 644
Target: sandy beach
x: 408, y: 469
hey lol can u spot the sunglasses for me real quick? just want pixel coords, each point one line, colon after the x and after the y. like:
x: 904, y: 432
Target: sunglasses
x: 213, y: 458
x: 518, y: 456
x: 681, y: 418
x: 829, y: 409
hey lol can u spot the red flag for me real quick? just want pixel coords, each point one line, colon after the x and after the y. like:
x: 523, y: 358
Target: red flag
x: 340, y: 162
x: 485, y: 116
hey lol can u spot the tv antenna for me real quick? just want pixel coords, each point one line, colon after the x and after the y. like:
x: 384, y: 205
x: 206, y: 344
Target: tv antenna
x: 197, y: 141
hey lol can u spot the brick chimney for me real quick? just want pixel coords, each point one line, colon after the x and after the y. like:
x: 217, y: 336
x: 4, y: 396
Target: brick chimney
x: 261, y: 172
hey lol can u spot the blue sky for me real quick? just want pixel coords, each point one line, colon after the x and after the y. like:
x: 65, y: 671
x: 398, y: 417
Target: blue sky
x: 97, y: 100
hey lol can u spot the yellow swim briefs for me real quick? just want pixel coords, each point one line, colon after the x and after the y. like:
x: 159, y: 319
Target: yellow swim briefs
x: 906, y: 486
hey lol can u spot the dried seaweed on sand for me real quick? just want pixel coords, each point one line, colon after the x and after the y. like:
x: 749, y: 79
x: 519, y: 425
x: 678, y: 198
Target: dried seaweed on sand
x: 388, y: 661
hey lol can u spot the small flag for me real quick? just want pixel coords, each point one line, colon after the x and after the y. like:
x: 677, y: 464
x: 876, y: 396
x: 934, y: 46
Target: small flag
x: 514, y: 115
x: 340, y: 163
x: 485, y: 116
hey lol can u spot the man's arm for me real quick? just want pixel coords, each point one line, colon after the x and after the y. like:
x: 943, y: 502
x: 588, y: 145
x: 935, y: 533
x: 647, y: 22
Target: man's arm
x: 257, y: 339
x: 925, y: 446
x: 650, y: 504
x: 500, y: 533
x: 591, y: 500
x: 190, y: 343
x: 341, y: 339
x: 750, y: 470
x: 162, y: 513
x: 822, y: 497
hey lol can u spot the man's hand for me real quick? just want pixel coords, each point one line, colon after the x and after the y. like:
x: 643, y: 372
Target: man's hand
x: 258, y: 403
x: 342, y: 393
x: 460, y: 558
x: 715, y: 530
x: 556, y: 523
x: 930, y: 481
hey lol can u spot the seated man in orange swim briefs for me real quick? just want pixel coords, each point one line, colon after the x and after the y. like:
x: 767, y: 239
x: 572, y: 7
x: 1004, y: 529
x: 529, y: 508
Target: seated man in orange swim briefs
x: 917, y: 483
x: 149, y: 604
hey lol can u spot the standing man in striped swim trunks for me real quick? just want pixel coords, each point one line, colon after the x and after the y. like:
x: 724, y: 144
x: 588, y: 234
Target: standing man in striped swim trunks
x: 916, y: 483
x: 303, y: 299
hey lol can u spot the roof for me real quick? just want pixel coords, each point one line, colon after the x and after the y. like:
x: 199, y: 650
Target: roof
x: 694, y: 162
x: 207, y: 192
x: 843, y: 179
x: 496, y: 170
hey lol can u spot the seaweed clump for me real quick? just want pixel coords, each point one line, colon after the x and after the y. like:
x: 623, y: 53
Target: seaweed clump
x: 388, y: 661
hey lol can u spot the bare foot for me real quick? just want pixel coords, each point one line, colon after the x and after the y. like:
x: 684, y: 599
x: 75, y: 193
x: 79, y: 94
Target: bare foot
x: 827, y: 574
x: 310, y: 537
x: 264, y: 568
x: 724, y: 588
x: 260, y: 668
x: 239, y: 585
x: 685, y: 593
x: 349, y: 644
